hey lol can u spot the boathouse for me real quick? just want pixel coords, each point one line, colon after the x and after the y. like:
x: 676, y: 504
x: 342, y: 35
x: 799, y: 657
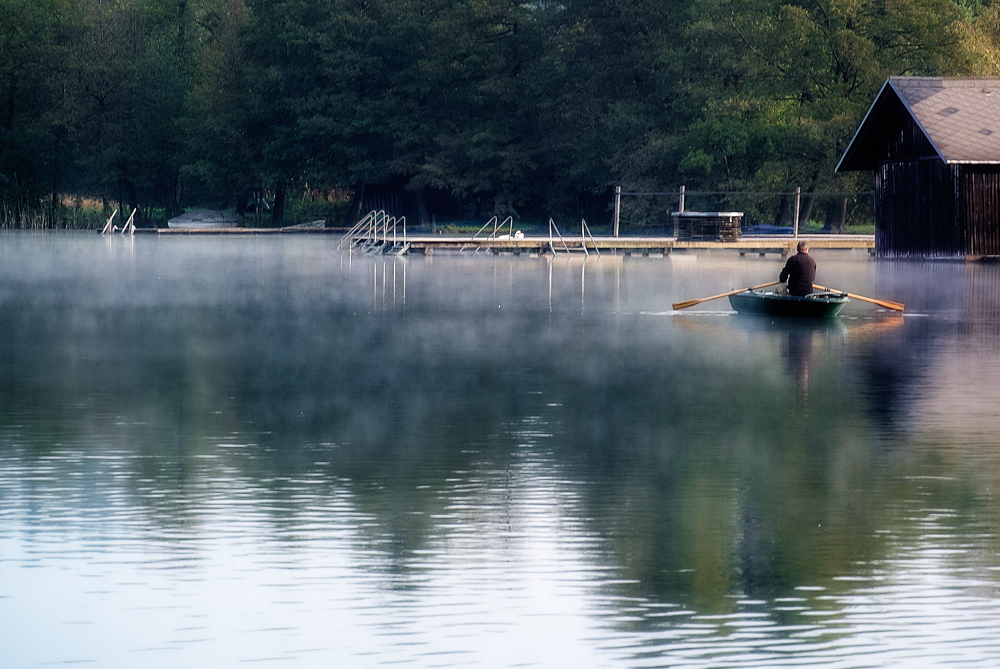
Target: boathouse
x: 934, y: 146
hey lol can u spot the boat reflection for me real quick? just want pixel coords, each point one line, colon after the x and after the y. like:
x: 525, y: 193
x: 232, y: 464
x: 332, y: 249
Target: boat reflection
x: 799, y: 339
x: 797, y: 351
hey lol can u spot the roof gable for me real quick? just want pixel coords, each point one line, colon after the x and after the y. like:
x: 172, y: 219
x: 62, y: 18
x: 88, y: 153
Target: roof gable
x: 954, y: 120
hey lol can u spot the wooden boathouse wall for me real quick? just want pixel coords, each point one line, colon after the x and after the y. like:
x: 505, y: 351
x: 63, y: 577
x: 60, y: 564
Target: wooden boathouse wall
x: 915, y: 210
x: 979, y: 189
x: 937, y: 179
x: 928, y: 209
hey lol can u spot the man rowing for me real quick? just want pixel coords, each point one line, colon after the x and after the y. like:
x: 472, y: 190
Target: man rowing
x: 799, y: 271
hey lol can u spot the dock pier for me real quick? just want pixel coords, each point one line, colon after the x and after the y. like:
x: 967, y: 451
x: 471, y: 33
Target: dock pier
x: 635, y: 246
x: 427, y: 244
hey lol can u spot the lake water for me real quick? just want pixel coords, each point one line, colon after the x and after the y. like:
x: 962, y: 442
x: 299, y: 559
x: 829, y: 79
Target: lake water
x: 217, y: 451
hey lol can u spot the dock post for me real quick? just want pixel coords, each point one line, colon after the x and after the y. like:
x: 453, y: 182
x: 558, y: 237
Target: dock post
x: 618, y: 207
x: 681, y: 209
x: 798, y: 200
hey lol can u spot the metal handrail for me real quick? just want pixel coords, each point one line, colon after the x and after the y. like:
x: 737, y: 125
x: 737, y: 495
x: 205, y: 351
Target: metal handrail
x: 365, y: 233
x: 130, y: 224
x: 108, y: 227
x: 584, y: 233
x: 486, y: 225
x: 497, y: 227
x: 374, y: 231
x: 379, y: 215
x: 509, y: 221
x: 353, y: 232
x: 396, y: 222
x: 552, y: 225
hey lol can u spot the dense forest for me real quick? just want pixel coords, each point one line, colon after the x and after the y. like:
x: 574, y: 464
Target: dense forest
x: 460, y: 108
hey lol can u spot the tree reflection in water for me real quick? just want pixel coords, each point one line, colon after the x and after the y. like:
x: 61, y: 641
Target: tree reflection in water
x: 439, y: 447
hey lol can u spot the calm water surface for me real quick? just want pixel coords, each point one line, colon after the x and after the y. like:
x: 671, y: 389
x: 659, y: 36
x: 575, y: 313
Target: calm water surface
x: 216, y: 451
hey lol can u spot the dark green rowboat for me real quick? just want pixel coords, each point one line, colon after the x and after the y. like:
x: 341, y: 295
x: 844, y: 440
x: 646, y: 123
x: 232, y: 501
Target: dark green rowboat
x: 818, y: 305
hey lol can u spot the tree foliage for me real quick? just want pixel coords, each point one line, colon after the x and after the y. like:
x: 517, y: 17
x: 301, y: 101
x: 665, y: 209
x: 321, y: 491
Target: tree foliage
x: 532, y: 108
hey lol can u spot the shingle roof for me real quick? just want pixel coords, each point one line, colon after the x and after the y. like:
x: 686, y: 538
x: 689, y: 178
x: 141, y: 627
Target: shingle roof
x: 960, y: 117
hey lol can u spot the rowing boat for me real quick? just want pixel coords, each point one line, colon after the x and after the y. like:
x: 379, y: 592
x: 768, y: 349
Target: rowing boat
x: 818, y: 305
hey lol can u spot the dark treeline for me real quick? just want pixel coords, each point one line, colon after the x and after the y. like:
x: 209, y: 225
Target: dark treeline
x: 446, y: 108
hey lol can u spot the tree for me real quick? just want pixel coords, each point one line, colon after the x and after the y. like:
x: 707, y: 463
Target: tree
x: 500, y: 106
x: 32, y: 121
x: 788, y: 83
x: 126, y: 78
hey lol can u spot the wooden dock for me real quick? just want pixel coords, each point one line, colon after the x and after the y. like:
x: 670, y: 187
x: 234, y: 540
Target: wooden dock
x: 428, y: 244
x: 642, y: 246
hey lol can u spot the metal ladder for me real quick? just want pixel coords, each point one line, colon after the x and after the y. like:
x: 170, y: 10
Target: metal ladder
x: 377, y: 233
x: 110, y: 229
x: 571, y: 248
x: 496, y: 234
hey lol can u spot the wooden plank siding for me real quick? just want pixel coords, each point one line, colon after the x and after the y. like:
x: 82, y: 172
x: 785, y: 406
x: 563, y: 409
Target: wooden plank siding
x: 980, y: 209
x: 915, y: 211
x: 904, y: 139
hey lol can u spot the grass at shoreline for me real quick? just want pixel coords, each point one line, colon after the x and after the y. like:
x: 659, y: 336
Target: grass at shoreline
x: 75, y: 214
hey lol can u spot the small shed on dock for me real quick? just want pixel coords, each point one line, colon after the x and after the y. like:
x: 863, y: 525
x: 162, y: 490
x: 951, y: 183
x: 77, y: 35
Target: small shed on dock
x: 934, y: 146
x: 720, y: 226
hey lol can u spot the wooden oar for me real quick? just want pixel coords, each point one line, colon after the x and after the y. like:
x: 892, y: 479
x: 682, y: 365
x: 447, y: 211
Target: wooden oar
x: 691, y: 303
x: 895, y: 306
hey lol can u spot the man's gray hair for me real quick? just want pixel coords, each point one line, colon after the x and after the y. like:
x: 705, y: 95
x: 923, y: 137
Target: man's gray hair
x: 803, y: 245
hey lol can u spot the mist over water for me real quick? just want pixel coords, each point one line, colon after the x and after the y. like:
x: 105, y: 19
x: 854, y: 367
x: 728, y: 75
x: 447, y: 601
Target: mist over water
x: 217, y: 451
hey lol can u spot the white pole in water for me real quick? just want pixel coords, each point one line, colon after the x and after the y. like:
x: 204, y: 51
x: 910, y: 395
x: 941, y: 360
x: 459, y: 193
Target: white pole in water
x: 798, y: 199
x: 681, y: 209
x: 618, y: 207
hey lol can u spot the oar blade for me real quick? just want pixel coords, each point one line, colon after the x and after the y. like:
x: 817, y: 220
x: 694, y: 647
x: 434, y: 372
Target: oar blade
x: 886, y: 304
x: 684, y: 305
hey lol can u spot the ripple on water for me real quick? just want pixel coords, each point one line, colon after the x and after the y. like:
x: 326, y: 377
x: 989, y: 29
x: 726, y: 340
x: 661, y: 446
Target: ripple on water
x: 244, y: 452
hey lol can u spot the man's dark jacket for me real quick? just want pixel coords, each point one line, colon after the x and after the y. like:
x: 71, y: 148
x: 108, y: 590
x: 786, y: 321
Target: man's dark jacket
x: 800, y: 271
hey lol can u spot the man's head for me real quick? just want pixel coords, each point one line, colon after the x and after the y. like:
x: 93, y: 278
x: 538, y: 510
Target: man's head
x: 803, y: 246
